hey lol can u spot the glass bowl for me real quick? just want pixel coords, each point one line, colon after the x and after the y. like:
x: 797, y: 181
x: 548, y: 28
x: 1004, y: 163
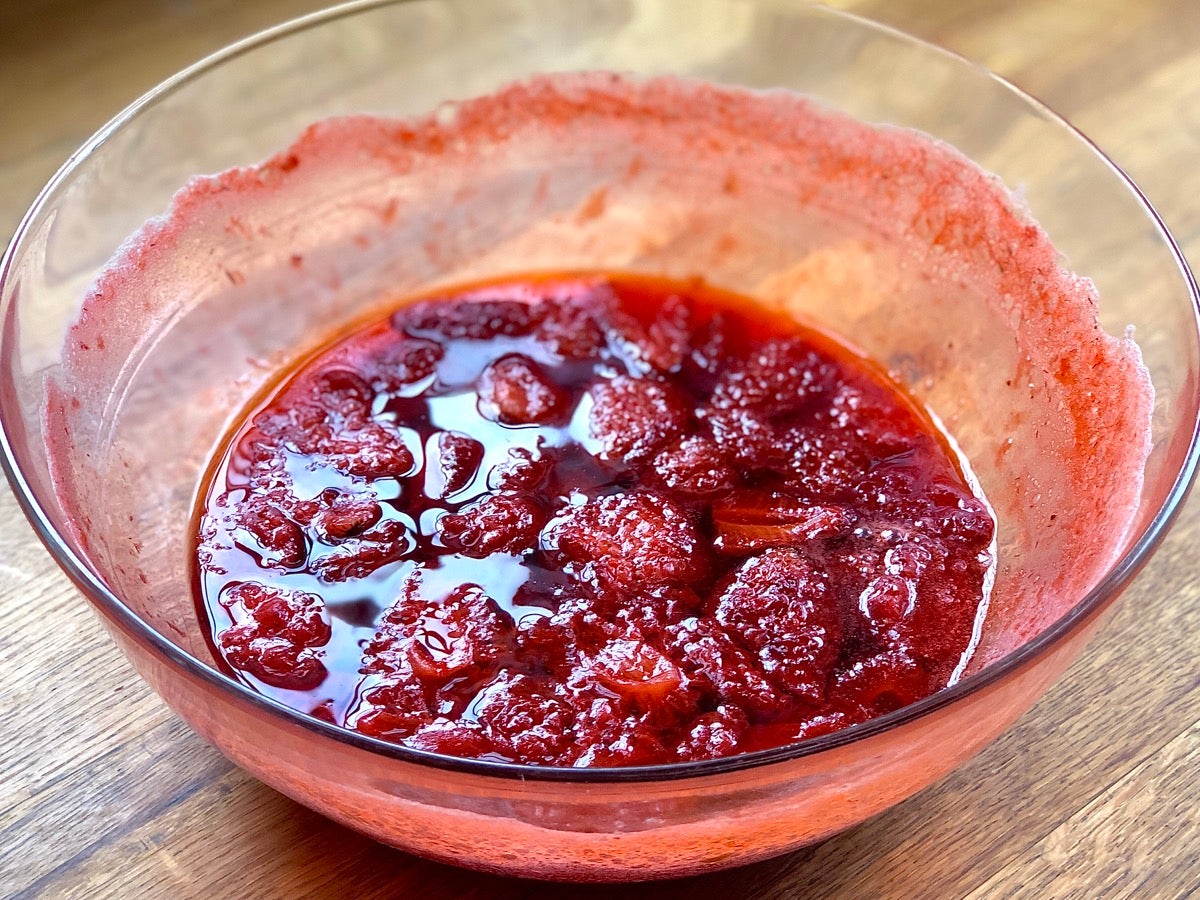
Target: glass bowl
x: 110, y: 421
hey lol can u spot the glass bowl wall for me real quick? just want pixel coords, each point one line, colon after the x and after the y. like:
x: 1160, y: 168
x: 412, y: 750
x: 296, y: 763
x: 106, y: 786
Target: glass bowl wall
x: 158, y: 400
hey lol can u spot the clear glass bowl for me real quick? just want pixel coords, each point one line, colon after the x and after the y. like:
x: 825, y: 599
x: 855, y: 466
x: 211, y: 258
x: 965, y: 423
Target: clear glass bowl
x: 144, y: 414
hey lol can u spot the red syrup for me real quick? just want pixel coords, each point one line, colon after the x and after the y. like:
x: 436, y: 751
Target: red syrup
x: 591, y: 521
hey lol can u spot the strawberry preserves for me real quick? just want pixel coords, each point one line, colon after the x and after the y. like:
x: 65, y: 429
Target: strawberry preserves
x: 591, y: 521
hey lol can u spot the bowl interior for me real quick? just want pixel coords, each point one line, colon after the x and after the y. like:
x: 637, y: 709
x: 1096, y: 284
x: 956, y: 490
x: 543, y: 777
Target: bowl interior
x: 249, y: 268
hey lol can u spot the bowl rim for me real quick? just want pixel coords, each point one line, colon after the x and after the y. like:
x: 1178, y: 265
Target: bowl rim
x: 1119, y: 574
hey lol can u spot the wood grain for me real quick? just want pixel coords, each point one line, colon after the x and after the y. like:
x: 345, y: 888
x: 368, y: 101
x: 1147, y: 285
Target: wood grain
x: 103, y: 793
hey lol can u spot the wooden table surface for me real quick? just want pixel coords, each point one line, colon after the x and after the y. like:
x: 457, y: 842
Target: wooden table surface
x: 1096, y: 792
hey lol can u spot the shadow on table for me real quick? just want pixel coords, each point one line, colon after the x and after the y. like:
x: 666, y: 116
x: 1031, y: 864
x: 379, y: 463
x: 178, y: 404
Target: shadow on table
x: 333, y: 861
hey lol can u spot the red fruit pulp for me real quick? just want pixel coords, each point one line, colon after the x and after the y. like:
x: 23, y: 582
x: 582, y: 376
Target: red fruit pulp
x: 603, y: 520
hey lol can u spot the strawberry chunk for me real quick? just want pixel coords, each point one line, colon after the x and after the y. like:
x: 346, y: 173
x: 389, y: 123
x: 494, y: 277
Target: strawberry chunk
x: 473, y: 318
x: 713, y: 349
x: 392, y: 709
x: 523, y: 470
x: 574, y: 327
x: 500, y: 523
x: 753, y: 521
x: 652, y: 610
x: 458, y: 458
x: 886, y: 601
x: 782, y: 377
x: 756, y: 400
x: 514, y: 390
x: 347, y: 516
x: 556, y: 645
x: 462, y: 636
x: 607, y: 734
x: 632, y: 418
x: 780, y: 608
x: 373, y: 451
x: 465, y: 740
x: 393, y: 363
x: 280, y: 540
x: 526, y: 719
x: 694, y: 467
x: 715, y: 734
x: 880, y: 684
x: 636, y: 671
x: 712, y: 659
x: 660, y: 345
x: 341, y: 392
x: 360, y: 555
x: 628, y: 540
x: 274, y: 634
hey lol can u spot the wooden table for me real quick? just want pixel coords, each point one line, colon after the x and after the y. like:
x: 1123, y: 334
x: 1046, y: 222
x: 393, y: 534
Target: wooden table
x: 103, y: 792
